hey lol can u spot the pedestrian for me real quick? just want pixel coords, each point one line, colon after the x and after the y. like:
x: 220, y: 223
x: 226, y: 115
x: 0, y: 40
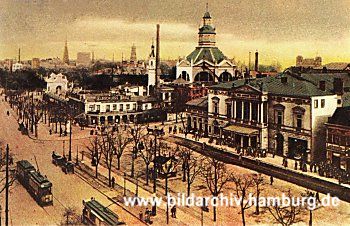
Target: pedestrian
x: 173, y: 211
x: 295, y: 165
x: 113, y: 182
x: 141, y: 215
x: 318, y: 197
x: 170, y: 129
x: 271, y: 180
x: 50, y: 131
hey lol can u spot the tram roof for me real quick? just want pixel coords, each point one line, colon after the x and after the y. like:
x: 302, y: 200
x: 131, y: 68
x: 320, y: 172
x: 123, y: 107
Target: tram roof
x: 43, y: 181
x: 103, y: 212
x: 25, y: 164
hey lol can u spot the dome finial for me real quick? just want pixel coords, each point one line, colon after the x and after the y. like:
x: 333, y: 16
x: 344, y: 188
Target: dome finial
x: 207, y: 7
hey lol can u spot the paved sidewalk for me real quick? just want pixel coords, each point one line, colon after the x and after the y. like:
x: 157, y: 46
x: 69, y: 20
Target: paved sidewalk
x: 277, y: 160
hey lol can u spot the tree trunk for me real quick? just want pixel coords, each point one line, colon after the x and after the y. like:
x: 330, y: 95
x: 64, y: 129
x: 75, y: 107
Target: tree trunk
x: 36, y: 130
x: 188, y: 183
x: 118, y: 160
x: 214, y: 209
x: 243, y: 218
x: 147, y: 173
x: 257, y: 211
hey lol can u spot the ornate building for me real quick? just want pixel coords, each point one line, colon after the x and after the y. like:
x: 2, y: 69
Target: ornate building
x: 206, y: 63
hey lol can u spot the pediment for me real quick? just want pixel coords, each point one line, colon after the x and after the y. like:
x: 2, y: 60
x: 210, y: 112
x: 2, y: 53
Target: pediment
x: 246, y: 89
x: 226, y: 63
x: 200, y: 63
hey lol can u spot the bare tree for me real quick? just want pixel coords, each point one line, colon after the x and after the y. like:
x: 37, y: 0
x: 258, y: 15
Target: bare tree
x: 216, y: 176
x: 107, y: 149
x: 120, y: 142
x: 147, y: 153
x: 243, y: 184
x: 70, y: 217
x: 191, y: 165
x: 258, y: 181
x: 94, y: 148
x: 137, y: 131
x: 285, y: 214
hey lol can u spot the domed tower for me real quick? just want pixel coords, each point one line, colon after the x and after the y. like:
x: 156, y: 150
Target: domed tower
x: 207, y: 31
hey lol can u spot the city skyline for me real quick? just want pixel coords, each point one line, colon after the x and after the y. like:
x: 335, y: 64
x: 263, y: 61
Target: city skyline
x: 279, y: 31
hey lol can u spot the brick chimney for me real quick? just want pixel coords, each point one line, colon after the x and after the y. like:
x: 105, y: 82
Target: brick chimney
x: 284, y: 79
x: 322, y: 85
x: 338, y: 86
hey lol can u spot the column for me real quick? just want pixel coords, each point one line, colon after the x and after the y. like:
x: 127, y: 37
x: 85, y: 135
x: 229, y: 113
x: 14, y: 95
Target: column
x: 250, y: 111
x: 243, y: 105
x: 259, y: 108
x: 262, y: 111
x: 234, y: 109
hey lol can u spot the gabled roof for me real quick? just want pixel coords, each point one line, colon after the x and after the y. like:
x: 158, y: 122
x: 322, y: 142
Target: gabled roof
x: 341, y: 116
x: 211, y: 54
x: 336, y: 66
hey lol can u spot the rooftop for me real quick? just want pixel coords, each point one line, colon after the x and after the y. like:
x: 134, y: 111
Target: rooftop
x: 341, y: 116
x: 304, y: 85
x: 211, y: 54
x: 109, y: 217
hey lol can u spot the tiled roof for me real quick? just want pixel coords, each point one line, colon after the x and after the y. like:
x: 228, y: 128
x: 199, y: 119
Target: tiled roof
x: 341, y: 116
x: 336, y: 66
x: 211, y: 54
x: 199, y: 102
x: 300, y: 87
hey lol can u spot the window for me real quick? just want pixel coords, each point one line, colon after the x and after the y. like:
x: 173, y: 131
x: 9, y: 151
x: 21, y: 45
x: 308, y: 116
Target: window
x: 299, y: 121
x: 316, y: 103
x: 121, y: 107
x: 133, y: 106
x: 108, y: 108
x: 127, y: 106
x: 92, y: 107
x: 239, y: 109
x: 216, y: 107
x: 323, y: 102
x: 279, y: 117
x: 98, y: 107
x: 228, y: 110
x: 114, y: 107
x: 246, y: 110
x: 254, y: 112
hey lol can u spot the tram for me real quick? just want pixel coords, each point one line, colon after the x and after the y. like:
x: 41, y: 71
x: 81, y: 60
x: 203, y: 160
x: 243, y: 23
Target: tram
x: 94, y: 213
x: 35, y: 183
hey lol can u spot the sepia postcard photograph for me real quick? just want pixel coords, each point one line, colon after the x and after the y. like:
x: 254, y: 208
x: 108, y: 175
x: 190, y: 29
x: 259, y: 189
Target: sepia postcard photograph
x: 175, y: 112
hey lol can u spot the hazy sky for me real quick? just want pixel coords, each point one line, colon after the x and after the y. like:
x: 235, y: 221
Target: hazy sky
x: 279, y: 29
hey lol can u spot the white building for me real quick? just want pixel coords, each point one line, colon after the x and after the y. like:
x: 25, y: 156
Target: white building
x: 151, y: 70
x: 56, y: 84
x: 17, y: 66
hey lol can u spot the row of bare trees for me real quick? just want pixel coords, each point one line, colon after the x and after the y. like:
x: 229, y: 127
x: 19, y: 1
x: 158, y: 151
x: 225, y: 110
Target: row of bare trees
x: 111, y: 145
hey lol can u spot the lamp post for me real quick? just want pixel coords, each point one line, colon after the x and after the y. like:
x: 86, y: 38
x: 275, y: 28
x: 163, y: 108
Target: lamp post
x: 155, y: 132
x: 169, y: 167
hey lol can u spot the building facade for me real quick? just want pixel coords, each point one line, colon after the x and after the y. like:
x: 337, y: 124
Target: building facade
x: 338, y: 139
x: 283, y: 114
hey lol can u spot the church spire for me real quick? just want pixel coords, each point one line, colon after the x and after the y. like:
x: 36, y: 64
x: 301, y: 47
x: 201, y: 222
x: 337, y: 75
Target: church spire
x: 65, y: 53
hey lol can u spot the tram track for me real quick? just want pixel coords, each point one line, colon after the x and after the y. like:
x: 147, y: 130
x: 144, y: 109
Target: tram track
x: 297, y: 178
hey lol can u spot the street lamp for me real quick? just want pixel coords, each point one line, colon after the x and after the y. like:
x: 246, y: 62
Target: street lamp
x: 169, y: 167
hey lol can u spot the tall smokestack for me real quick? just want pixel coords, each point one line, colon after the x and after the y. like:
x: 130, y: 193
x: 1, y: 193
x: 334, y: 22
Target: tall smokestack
x: 158, y: 72
x: 250, y: 59
x: 256, y: 61
x: 19, y: 55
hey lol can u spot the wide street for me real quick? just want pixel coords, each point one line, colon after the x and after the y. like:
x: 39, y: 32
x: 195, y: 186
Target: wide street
x: 68, y: 190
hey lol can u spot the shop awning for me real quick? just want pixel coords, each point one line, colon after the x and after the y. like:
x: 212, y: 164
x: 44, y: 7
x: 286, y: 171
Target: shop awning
x: 241, y: 130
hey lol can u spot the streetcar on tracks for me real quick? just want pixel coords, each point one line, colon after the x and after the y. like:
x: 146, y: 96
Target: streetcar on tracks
x: 36, y: 184
x: 94, y: 213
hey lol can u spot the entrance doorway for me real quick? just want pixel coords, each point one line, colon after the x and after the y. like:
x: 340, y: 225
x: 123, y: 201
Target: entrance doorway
x: 279, y: 144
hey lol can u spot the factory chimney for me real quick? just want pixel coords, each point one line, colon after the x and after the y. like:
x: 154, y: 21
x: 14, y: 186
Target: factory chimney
x: 19, y: 55
x: 256, y: 61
